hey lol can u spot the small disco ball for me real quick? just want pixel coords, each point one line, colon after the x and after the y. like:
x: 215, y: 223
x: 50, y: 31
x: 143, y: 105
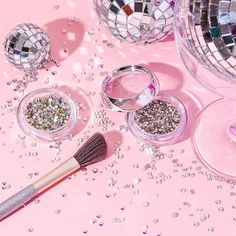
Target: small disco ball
x: 137, y: 21
x: 27, y: 47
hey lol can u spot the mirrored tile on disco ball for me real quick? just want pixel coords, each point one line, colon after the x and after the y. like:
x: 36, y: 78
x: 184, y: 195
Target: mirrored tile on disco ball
x: 136, y: 21
x: 27, y: 47
x: 216, y: 23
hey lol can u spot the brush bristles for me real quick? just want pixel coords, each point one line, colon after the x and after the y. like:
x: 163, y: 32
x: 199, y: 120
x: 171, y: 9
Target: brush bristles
x: 92, y: 151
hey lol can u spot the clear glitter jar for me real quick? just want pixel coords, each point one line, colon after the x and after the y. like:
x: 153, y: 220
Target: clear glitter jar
x: 47, y: 135
x: 135, y: 90
x: 160, y: 139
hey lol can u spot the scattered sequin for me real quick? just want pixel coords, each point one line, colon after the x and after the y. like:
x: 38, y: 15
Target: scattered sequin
x: 211, y: 229
x: 36, y: 201
x: 58, y: 211
x: 146, y: 204
x: 155, y: 221
x: 175, y: 214
x: 137, y: 180
x: 196, y: 224
x: 30, y: 230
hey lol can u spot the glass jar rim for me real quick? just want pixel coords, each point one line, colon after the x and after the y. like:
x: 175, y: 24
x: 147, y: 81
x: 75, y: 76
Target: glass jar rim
x: 138, y: 100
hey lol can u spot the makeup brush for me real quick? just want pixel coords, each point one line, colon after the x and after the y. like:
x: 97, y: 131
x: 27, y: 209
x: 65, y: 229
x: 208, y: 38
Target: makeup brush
x: 92, y: 151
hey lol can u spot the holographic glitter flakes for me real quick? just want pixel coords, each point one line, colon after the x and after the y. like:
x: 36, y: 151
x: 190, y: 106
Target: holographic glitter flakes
x: 47, y: 113
x: 158, y: 117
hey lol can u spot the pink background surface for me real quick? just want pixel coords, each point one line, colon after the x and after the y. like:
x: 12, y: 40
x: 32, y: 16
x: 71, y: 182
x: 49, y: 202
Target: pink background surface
x: 184, y: 197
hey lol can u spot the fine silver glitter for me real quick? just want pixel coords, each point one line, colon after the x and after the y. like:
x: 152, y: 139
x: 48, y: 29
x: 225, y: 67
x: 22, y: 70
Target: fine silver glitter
x: 158, y: 117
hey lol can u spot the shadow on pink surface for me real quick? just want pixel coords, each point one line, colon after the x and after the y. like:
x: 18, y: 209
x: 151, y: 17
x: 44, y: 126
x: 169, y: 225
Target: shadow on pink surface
x: 78, y: 95
x: 113, y: 138
x: 169, y: 38
x: 65, y: 35
x: 176, y: 81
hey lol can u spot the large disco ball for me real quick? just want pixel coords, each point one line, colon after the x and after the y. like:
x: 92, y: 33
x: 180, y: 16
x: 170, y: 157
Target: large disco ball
x: 137, y: 21
x: 206, y: 30
x: 27, y: 47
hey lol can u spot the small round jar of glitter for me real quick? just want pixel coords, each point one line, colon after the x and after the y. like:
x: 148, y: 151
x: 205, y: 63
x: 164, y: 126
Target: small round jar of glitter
x: 48, y: 114
x: 153, y: 117
x: 161, y: 122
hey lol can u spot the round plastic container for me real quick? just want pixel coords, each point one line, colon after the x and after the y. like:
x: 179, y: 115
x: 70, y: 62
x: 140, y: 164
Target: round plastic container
x: 56, y: 134
x: 132, y: 87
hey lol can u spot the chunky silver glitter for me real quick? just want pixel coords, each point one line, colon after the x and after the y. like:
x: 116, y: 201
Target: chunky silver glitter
x: 47, y: 113
x: 158, y: 117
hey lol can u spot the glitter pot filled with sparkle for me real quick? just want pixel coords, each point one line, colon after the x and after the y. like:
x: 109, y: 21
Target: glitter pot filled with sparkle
x: 160, y: 122
x: 153, y: 117
x: 48, y: 114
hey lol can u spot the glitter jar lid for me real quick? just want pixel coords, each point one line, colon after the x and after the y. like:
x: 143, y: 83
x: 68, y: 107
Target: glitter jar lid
x: 47, y: 135
x: 133, y: 89
x: 129, y: 88
x: 163, y: 137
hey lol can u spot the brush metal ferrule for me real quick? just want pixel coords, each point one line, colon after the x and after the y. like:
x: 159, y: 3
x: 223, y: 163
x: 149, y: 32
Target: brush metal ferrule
x: 57, y: 174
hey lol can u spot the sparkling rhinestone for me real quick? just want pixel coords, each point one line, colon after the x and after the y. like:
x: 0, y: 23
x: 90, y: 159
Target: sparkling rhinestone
x: 58, y: 211
x: 146, y: 204
x: 175, y: 214
x: 211, y: 229
x: 30, y: 229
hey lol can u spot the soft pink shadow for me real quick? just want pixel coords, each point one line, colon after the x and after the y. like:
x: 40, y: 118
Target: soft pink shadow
x: 175, y: 76
x: 113, y: 138
x: 169, y: 38
x: 190, y: 101
x: 78, y: 95
x: 193, y: 109
x: 61, y: 41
